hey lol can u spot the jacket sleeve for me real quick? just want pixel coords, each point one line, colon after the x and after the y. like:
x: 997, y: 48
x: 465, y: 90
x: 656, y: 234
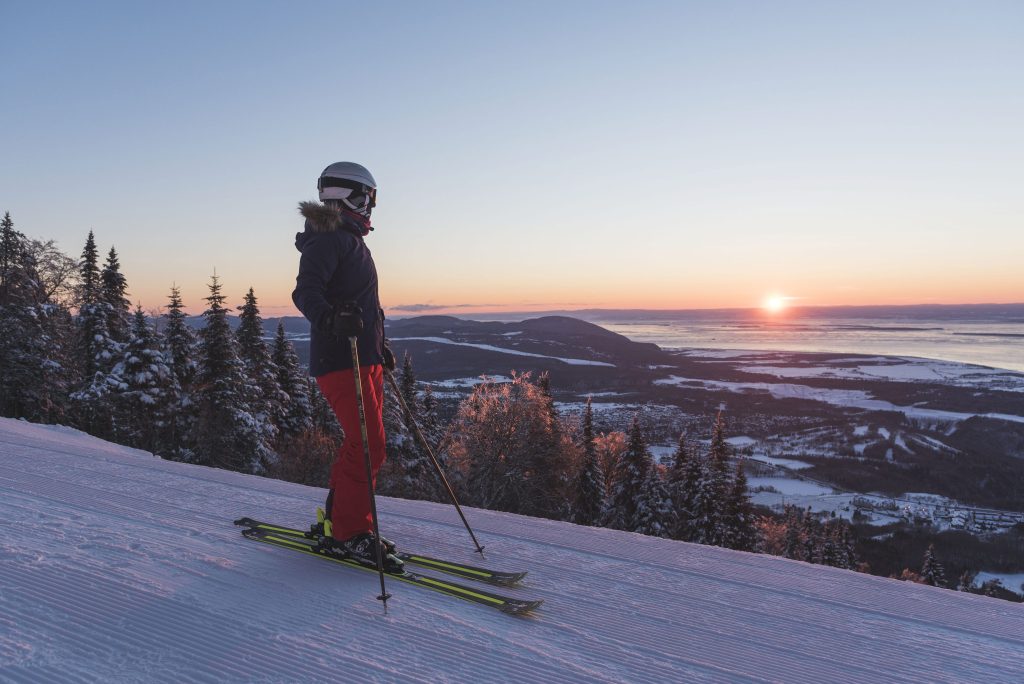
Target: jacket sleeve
x: 316, y: 267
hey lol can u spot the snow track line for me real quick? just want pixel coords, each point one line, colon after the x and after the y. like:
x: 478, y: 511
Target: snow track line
x: 79, y: 609
x: 818, y: 570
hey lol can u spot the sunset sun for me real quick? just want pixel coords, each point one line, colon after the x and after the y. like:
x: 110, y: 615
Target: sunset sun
x: 774, y: 303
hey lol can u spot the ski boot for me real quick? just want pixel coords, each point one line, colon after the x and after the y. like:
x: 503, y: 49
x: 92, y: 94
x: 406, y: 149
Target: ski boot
x: 361, y: 548
x: 321, y: 531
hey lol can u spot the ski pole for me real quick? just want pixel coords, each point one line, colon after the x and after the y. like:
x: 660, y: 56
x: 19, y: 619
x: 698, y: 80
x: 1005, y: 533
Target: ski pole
x: 384, y: 595
x: 411, y: 422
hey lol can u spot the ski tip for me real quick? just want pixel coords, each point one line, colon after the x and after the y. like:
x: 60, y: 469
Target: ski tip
x: 521, y: 607
x: 245, y: 522
x: 507, y: 580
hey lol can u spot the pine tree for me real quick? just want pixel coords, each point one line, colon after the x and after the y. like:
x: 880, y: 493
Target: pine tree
x: 684, y: 477
x: 90, y: 313
x: 811, y: 535
x: 931, y: 570
x: 407, y: 472
x: 179, y: 347
x: 98, y: 348
x: 147, y: 394
x: 180, y: 341
x: 654, y: 513
x: 431, y: 423
x: 269, y: 403
x: 19, y: 276
x: 322, y: 414
x: 113, y: 293
x: 544, y: 383
x: 712, y: 491
x: 590, y: 503
x: 408, y: 385
x: 794, y: 541
x: 228, y: 433
x: 89, y: 280
x: 294, y: 382
x: 630, y: 474
x: 740, y: 530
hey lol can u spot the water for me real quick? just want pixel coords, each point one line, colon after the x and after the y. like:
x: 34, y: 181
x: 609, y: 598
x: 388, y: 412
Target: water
x: 986, y: 335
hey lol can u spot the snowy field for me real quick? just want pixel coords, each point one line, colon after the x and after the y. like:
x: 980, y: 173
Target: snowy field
x: 835, y: 397
x: 904, y: 370
x: 117, y: 566
x: 503, y: 350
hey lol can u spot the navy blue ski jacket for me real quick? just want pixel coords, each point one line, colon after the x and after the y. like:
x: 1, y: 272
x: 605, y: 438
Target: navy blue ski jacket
x: 336, y: 266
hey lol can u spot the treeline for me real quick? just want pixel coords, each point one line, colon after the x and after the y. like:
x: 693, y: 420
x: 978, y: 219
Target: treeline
x: 73, y: 351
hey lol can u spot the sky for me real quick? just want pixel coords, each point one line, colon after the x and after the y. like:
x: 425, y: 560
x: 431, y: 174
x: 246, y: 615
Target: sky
x: 531, y: 155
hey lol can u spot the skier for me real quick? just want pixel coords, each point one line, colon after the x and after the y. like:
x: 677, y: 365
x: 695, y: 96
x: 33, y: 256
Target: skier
x: 336, y: 290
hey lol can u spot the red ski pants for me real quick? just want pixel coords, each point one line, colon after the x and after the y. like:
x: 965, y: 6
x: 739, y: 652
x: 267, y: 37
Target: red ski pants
x: 350, y: 506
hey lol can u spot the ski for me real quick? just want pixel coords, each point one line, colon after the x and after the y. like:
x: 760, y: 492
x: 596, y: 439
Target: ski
x: 308, y: 546
x: 460, y: 570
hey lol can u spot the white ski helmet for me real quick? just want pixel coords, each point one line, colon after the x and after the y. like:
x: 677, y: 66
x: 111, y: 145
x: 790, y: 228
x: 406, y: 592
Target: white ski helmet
x: 350, y: 183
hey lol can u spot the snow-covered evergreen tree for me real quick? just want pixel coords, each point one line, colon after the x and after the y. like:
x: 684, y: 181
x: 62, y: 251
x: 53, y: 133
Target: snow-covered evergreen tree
x: 147, y: 396
x: 931, y: 570
x: 740, y: 530
x: 654, y: 512
x: 431, y: 423
x: 179, y: 340
x: 294, y: 382
x: 322, y: 414
x: 408, y: 386
x: 98, y: 348
x: 113, y: 293
x: 407, y: 473
x: 630, y: 475
x: 811, y: 535
x: 684, y: 477
x: 794, y: 542
x: 269, y: 403
x: 709, y: 502
x: 590, y: 504
x: 228, y: 433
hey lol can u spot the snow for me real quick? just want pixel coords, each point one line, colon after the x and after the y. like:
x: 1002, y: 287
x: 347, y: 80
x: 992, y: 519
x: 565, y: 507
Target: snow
x: 662, y: 453
x: 502, y: 350
x: 741, y: 442
x: 1013, y: 582
x: 914, y: 370
x: 790, y: 463
x: 789, y: 486
x: 118, y: 566
x: 861, y: 431
x: 469, y: 382
x: 835, y: 397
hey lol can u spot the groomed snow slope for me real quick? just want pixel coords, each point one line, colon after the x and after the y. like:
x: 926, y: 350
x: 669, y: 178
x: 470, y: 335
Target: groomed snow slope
x: 117, y: 566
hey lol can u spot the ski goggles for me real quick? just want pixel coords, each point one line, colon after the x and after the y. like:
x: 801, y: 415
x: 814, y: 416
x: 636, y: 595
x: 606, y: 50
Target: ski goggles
x: 360, y: 195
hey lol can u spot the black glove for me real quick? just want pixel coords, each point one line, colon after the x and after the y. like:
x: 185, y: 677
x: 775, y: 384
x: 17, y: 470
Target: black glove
x: 389, y: 356
x: 343, y: 321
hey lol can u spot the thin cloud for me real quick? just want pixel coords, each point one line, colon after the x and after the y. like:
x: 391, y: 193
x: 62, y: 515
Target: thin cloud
x: 416, y: 308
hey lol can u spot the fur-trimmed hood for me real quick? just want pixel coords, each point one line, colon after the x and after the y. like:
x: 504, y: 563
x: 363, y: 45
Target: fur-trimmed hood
x: 320, y: 217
